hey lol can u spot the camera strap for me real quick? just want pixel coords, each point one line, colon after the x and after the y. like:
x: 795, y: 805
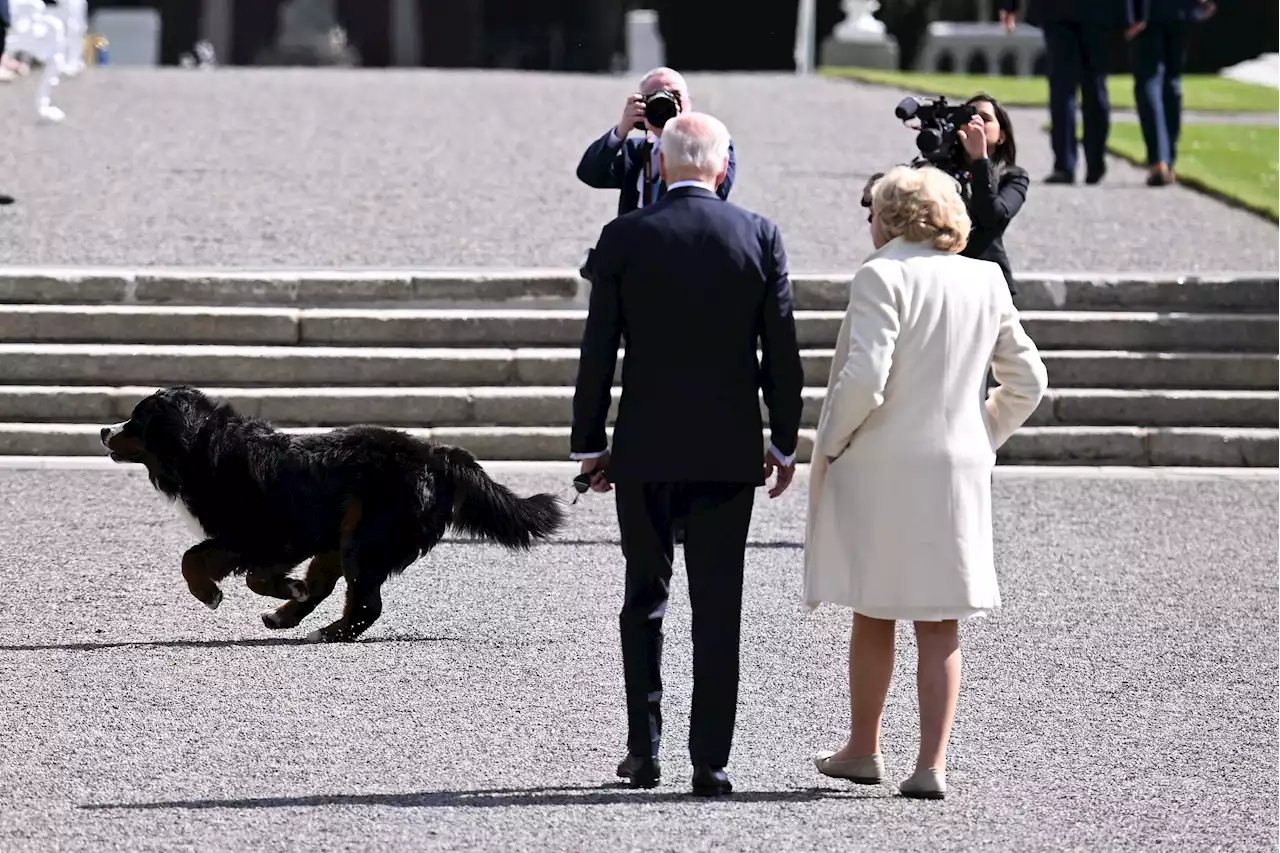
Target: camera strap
x: 646, y: 189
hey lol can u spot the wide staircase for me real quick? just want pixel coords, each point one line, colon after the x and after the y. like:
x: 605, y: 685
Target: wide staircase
x: 1143, y: 371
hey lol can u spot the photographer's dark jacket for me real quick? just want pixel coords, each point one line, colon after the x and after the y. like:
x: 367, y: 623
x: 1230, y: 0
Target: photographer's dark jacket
x: 994, y: 201
x: 616, y: 164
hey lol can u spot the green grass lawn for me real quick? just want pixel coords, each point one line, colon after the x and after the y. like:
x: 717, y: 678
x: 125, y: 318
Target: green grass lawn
x: 1236, y: 162
x: 1201, y: 93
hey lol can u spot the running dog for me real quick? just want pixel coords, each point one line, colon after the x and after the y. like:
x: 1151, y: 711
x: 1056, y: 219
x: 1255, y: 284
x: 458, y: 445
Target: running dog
x: 360, y: 502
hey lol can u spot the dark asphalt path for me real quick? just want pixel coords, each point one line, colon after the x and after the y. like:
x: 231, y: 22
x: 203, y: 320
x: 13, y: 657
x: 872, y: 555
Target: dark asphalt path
x: 1124, y: 699
x: 316, y: 168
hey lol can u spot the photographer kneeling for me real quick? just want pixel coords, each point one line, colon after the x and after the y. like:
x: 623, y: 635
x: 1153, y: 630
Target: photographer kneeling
x: 997, y: 185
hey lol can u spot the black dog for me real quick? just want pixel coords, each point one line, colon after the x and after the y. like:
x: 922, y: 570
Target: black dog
x: 362, y: 502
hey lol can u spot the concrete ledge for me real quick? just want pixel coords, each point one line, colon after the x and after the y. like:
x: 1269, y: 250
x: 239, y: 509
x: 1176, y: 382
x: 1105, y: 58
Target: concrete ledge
x: 553, y: 406
x: 256, y: 366
x: 1248, y: 292
x: 1043, y: 445
x: 152, y: 324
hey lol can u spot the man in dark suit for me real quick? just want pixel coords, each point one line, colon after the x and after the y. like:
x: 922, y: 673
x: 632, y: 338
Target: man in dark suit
x: 1075, y: 39
x: 630, y: 164
x: 1158, y: 30
x: 693, y: 284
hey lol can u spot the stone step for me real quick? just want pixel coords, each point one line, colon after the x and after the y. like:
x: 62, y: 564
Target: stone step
x: 136, y: 324
x: 1247, y: 292
x: 553, y: 406
x: 1228, y: 448
x: 255, y: 366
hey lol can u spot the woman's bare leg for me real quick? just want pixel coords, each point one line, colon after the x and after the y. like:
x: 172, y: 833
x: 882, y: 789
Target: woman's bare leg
x: 938, y: 686
x: 870, y: 670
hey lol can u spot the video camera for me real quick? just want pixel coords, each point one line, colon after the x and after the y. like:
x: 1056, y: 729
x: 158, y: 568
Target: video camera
x: 939, y: 123
x: 659, y: 108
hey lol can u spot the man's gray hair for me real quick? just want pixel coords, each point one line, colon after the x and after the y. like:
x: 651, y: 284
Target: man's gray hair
x: 695, y: 140
x: 670, y: 73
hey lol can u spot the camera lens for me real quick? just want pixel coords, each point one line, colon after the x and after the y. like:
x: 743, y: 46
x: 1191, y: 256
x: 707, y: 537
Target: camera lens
x: 929, y: 140
x: 660, y: 108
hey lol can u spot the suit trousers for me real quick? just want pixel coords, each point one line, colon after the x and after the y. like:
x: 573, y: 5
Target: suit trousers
x: 716, y: 519
x: 1158, y: 52
x: 1077, y: 59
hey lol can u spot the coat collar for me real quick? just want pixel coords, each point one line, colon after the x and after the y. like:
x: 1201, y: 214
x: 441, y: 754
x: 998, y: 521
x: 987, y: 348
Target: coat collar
x: 900, y: 247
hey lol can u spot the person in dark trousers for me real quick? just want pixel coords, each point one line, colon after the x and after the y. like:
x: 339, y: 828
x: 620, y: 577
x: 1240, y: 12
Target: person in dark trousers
x: 1158, y: 32
x: 695, y: 285
x: 997, y: 184
x: 4, y: 28
x: 1075, y: 38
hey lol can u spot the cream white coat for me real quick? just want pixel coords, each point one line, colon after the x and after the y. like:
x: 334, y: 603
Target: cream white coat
x: 899, y: 523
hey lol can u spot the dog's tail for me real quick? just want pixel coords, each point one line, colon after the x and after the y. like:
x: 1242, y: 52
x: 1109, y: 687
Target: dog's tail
x: 491, y: 511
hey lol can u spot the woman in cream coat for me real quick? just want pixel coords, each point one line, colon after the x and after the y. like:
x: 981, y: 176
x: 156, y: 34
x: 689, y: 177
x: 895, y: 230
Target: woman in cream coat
x: 899, y: 520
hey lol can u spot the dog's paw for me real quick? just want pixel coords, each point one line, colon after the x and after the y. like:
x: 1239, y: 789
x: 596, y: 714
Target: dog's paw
x: 318, y: 636
x: 212, y: 603
x: 273, y: 621
x: 297, y: 589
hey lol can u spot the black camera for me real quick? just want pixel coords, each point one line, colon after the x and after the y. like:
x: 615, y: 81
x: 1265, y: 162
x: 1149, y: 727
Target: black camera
x: 659, y: 108
x: 939, y: 124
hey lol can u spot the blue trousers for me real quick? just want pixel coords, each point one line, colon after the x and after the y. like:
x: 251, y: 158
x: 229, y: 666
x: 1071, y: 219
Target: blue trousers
x: 1077, y: 59
x: 1158, y: 52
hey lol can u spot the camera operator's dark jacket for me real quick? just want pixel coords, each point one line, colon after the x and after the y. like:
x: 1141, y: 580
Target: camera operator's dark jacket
x: 1040, y: 12
x: 612, y: 165
x: 993, y: 203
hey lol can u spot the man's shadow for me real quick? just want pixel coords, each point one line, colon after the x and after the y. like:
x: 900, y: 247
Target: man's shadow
x: 615, y: 794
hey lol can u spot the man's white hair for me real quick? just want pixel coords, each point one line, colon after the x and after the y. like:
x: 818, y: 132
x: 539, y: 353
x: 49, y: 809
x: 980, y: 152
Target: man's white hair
x: 695, y: 140
x: 671, y: 74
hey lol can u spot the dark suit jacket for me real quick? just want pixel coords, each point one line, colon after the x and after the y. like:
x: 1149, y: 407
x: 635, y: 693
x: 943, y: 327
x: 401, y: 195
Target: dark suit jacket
x: 1161, y: 11
x: 993, y: 203
x: 693, y: 284
x: 4, y: 13
x: 610, y: 165
x: 1040, y: 12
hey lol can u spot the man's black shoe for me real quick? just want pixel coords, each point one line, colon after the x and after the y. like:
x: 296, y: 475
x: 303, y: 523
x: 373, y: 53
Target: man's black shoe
x: 640, y: 772
x: 1093, y: 177
x: 1056, y: 177
x: 711, y: 782
x: 6, y: 199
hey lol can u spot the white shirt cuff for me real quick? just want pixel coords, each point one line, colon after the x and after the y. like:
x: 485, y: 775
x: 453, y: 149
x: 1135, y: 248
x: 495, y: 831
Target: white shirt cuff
x: 787, y: 461
x: 596, y: 455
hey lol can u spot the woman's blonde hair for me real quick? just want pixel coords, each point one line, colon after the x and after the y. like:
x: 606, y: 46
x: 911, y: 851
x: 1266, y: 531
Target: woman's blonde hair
x: 921, y: 205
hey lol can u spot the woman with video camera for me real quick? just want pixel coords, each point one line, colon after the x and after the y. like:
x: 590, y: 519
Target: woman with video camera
x: 998, y: 186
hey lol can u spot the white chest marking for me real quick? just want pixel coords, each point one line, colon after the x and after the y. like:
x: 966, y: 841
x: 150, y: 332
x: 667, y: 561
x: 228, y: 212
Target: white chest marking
x: 188, y: 519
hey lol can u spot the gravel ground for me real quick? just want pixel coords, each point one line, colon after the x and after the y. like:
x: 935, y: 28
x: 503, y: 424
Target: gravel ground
x: 1124, y: 698
x: 314, y: 168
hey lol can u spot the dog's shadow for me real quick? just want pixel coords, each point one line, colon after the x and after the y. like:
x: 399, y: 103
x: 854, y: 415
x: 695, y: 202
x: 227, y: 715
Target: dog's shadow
x: 612, y: 794
x: 209, y: 644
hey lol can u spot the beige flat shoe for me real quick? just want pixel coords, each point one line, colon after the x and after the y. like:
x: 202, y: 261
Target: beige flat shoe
x: 925, y: 785
x: 864, y: 770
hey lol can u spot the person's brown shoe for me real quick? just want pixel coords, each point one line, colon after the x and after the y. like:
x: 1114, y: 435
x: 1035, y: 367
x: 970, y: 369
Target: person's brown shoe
x: 1160, y: 175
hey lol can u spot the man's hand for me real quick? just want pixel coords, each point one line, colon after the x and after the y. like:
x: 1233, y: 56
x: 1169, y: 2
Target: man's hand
x: 632, y: 114
x: 1132, y: 32
x: 596, y: 468
x: 785, y: 474
x: 973, y: 136
x: 1009, y: 20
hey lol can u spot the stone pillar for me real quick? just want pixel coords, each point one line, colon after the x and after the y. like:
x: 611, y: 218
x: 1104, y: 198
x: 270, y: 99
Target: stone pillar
x: 216, y: 27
